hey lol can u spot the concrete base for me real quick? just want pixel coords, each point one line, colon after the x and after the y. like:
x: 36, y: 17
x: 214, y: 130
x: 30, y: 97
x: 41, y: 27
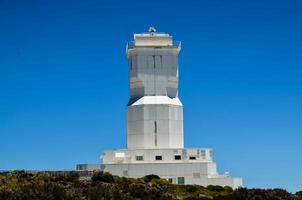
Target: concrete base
x: 177, y: 173
x: 179, y: 166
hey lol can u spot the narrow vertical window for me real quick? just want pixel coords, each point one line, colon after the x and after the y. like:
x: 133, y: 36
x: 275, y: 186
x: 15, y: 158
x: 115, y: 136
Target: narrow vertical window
x: 130, y: 62
x: 153, y: 61
x: 155, y: 133
x: 161, y: 60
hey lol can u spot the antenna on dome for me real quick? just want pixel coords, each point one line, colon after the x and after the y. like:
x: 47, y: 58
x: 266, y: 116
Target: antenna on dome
x: 152, y: 29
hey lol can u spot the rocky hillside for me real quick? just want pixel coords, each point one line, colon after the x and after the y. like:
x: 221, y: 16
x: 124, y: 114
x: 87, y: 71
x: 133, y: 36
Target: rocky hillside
x: 38, y: 185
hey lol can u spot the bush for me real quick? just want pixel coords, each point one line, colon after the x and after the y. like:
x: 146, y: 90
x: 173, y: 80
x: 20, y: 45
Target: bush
x: 72, y: 177
x: 215, y: 188
x: 299, y: 194
x: 150, y: 177
x: 22, y: 185
x: 259, y: 194
x: 100, y: 176
x: 228, y: 188
x: 191, y: 188
x: 160, y: 182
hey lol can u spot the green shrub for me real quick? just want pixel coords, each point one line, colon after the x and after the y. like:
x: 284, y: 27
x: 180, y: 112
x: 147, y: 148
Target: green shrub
x: 215, y: 188
x: 160, y: 182
x: 228, y: 188
x: 299, y: 194
x: 100, y: 176
x: 150, y: 177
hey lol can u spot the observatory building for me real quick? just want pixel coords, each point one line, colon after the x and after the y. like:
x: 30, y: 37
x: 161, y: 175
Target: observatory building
x: 155, y: 136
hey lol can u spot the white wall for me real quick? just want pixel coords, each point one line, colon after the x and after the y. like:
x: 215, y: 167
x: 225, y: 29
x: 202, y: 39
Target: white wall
x: 155, y: 126
x: 193, y: 173
x: 153, y: 72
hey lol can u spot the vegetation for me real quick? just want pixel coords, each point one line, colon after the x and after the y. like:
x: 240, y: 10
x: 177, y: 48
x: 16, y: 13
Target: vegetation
x: 38, y: 185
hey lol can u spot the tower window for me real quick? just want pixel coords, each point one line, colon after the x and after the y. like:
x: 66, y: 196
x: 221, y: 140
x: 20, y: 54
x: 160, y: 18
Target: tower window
x: 130, y: 62
x: 155, y: 133
x: 203, y: 154
x: 177, y: 157
x: 139, y: 158
x: 154, y: 61
x: 158, y: 157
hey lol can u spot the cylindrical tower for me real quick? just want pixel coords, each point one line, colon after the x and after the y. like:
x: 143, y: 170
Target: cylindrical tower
x: 154, y: 112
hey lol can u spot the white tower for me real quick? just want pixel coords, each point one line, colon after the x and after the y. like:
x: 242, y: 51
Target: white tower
x: 154, y: 112
x: 155, y: 121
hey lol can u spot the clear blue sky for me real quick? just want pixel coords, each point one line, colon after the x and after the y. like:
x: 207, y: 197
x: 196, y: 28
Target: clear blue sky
x: 64, y: 82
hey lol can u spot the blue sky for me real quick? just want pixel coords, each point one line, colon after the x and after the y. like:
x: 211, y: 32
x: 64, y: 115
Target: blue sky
x: 64, y: 82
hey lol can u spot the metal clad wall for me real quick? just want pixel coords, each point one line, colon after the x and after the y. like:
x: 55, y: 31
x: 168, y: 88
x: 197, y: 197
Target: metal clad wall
x: 153, y: 71
x: 141, y: 128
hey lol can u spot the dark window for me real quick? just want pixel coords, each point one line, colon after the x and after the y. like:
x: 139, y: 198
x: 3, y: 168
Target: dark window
x: 177, y: 157
x: 170, y: 180
x: 155, y: 133
x: 192, y: 158
x: 181, y: 180
x: 130, y: 61
x: 158, y: 157
x: 139, y: 158
x: 154, y: 61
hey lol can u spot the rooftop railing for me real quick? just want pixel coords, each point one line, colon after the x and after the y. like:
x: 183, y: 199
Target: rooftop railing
x: 175, y: 44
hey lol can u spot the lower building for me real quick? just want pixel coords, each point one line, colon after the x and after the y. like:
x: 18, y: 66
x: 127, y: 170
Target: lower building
x: 178, y: 166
